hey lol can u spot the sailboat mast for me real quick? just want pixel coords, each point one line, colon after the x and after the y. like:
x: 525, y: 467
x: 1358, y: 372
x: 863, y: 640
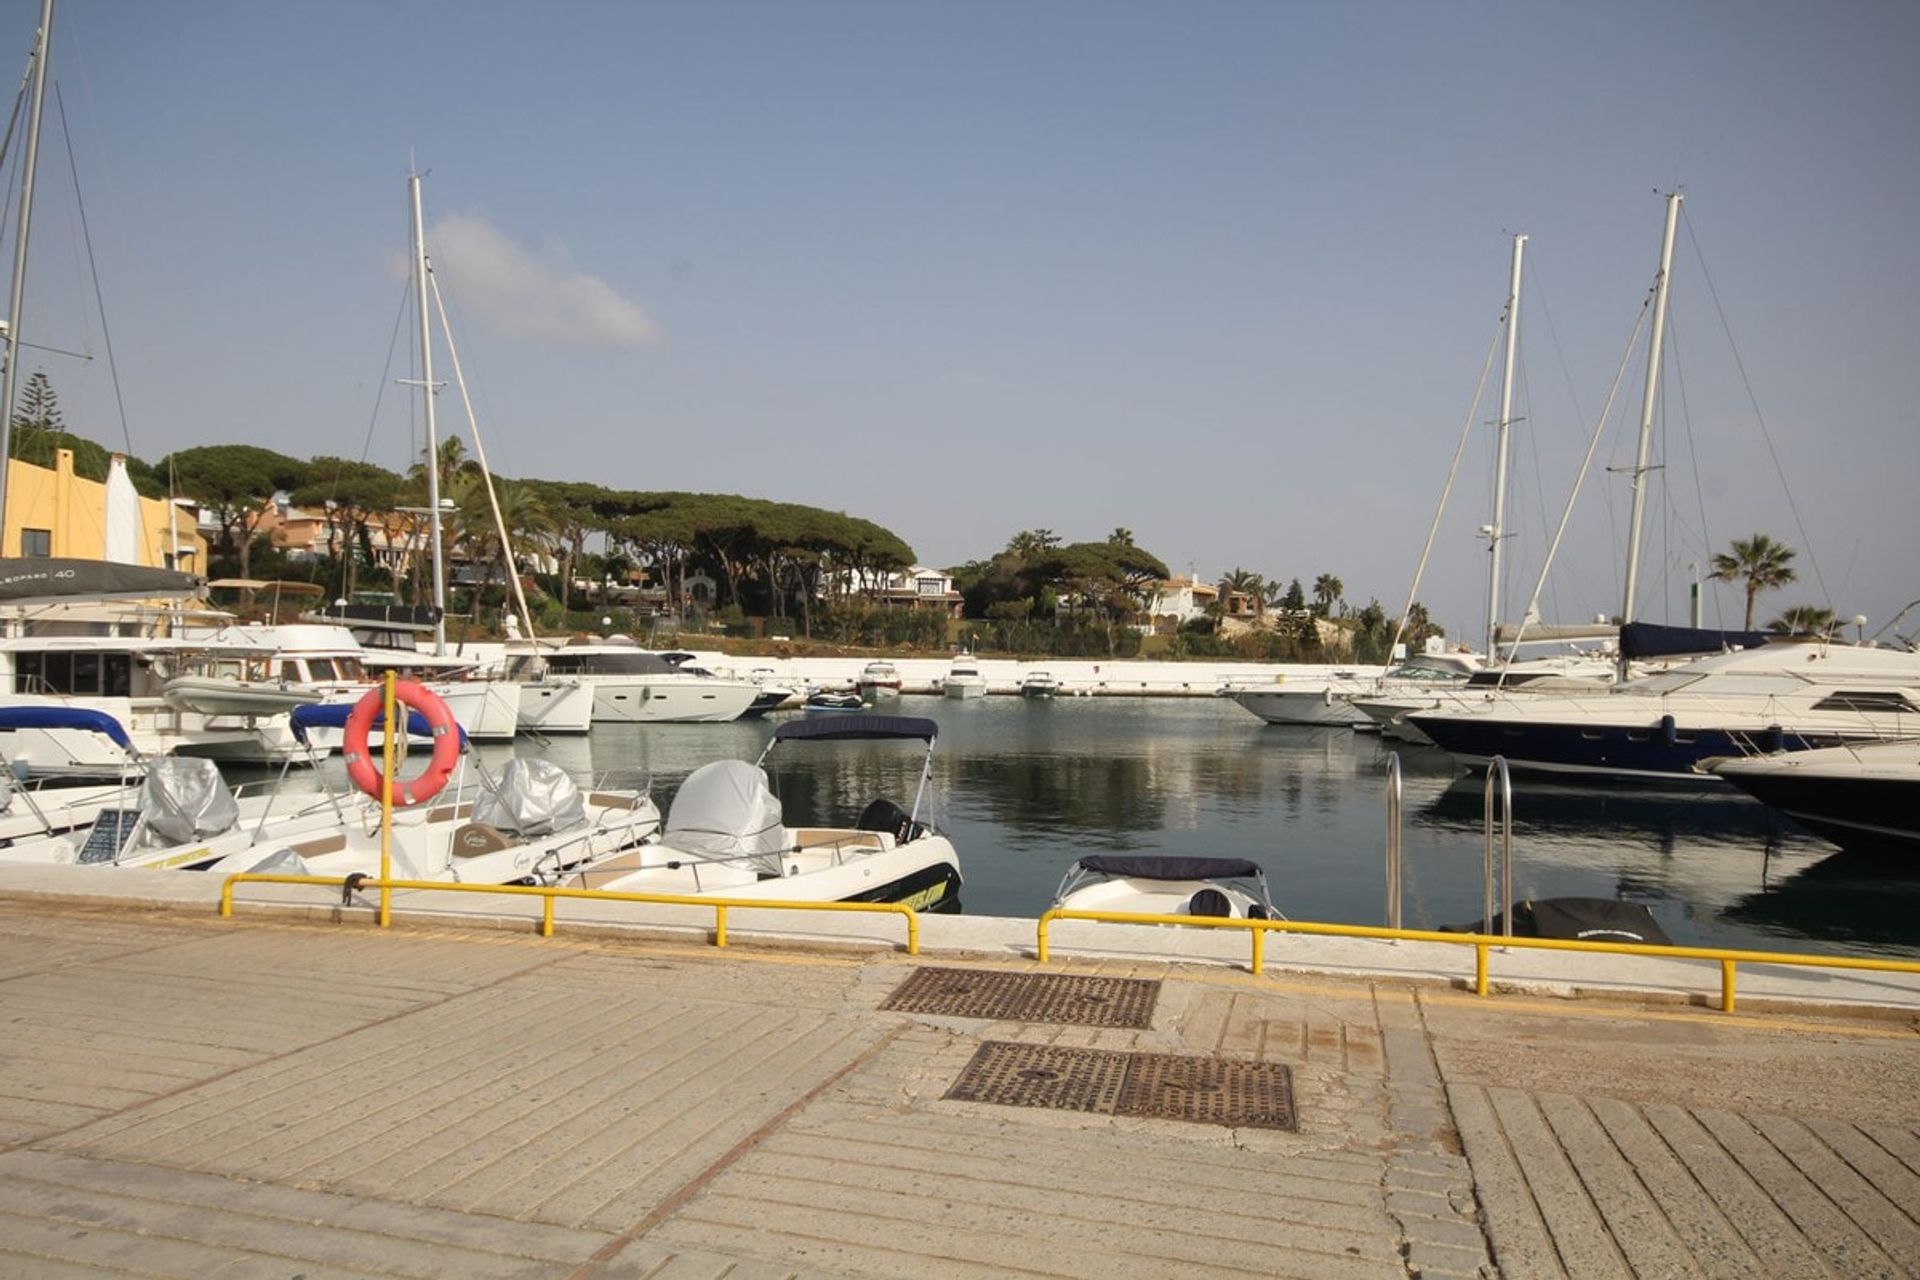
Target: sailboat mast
x: 1655, y: 345
x: 1497, y: 530
x: 433, y: 443
x: 16, y: 300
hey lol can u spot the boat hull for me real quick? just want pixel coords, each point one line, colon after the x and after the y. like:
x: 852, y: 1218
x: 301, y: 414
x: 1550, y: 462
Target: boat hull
x: 1612, y: 750
x: 689, y: 702
x: 559, y: 706
x: 1321, y: 707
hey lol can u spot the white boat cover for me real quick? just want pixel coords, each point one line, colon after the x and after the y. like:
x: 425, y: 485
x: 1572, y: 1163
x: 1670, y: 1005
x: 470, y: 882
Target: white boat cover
x: 6, y: 792
x: 725, y: 809
x: 184, y: 798
x: 534, y: 798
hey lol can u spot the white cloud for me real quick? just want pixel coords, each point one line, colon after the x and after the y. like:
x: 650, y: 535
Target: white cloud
x: 532, y: 296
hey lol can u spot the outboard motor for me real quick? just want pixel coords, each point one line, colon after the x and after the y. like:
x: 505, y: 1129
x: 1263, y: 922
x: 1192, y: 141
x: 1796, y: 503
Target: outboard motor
x: 884, y: 815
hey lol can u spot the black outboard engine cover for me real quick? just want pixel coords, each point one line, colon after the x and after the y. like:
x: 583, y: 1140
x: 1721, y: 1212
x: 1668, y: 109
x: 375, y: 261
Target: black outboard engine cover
x: 1576, y: 920
x: 884, y: 815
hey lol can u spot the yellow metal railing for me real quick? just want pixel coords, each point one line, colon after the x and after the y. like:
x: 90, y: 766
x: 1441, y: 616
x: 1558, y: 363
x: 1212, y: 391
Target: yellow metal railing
x: 1482, y: 944
x: 551, y: 892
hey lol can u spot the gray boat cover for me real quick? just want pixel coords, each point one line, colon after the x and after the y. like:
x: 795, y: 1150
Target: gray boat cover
x: 534, y: 798
x: 184, y: 798
x: 725, y: 809
x: 6, y: 792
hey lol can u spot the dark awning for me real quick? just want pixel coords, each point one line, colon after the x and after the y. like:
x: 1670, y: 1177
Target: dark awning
x: 850, y: 727
x: 1651, y: 640
x: 33, y: 580
x: 1161, y: 867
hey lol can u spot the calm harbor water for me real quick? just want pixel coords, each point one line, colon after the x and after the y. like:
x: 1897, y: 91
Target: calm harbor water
x: 1025, y: 787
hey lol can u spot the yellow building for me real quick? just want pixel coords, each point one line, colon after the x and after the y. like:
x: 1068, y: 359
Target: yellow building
x: 57, y: 513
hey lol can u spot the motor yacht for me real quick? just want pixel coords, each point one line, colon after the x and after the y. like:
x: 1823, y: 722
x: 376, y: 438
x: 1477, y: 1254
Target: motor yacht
x: 1329, y: 700
x: 633, y: 686
x: 1039, y: 684
x: 964, y: 679
x: 1788, y: 694
x: 878, y: 680
x: 1863, y: 796
x: 725, y: 835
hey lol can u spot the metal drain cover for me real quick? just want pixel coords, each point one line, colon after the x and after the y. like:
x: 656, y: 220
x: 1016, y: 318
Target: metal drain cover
x: 1164, y: 1086
x: 1075, y: 999
x: 1246, y: 1095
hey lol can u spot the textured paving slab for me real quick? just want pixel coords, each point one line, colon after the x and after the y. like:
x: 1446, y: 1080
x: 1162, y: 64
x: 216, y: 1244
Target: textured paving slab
x: 183, y: 1096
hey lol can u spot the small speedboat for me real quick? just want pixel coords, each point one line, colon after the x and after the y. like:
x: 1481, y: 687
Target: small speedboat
x: 726, y: 834
x: 1039, y: 684
x: 1859, y: 797
x: 1160, y: 885
x: 832, y: 700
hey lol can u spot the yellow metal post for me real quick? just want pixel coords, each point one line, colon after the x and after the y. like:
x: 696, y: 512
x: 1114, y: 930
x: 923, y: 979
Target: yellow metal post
x: 1726, y: 986
x: 546, y: 919
x: 1259, y: 948
x: 1040, y: 939
x: 386, y: 802
x: 1480, y: 969
x: 719, y: 926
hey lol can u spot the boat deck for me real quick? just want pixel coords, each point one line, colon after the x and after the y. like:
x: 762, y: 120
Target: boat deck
x: 184, y: 1095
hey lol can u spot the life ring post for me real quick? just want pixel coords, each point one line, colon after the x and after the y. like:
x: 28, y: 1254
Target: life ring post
x: 387, y: 737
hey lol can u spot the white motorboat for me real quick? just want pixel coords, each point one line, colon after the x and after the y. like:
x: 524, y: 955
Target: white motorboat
x: 1039, y: 684
x: 1389, y: 707
x: 633, y: 686
x: 29, y: 811
x: 1329, y: 700
x: 1787, y: 695
x: 1161, y: 885
x: 831, y: 701
x: 531, y: 824
x: 964, y: 679
x: 328, y: 660
x: 878, y: 680
x: 179, y: 814
x: 725, y: 835
x: 1863, y: 796
x: 775, y: 694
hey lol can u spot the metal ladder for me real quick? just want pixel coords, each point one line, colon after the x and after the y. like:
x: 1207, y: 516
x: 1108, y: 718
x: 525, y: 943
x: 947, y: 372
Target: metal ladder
x: 1496, y: 771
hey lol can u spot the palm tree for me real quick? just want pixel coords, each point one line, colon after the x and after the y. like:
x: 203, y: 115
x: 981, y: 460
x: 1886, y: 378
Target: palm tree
x: 1762, y: 562
x: 529, y: 525
x: 1240, y: 582
x: 1121, y: 537
x: 1805, y: 620
x: 1327, y: 591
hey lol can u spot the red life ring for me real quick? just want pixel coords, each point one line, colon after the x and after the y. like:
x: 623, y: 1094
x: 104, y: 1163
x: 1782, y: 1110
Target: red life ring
x: 366, y: 775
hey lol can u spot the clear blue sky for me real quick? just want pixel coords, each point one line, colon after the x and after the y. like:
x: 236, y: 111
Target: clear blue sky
x: 1220, y: 273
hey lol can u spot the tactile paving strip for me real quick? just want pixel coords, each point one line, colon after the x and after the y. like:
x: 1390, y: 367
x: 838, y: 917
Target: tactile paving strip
x: 1076, y: 999
x: 1165, y: 1086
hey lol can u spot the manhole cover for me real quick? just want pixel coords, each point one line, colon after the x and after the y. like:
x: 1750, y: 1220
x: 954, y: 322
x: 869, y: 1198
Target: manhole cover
x: 1027, y: 997
x: 1039, y: 1075
x: 1246, y: 1095
x: 1164, y: 1086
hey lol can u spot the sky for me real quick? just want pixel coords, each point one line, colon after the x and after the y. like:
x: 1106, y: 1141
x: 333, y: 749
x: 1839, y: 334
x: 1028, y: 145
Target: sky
x: 1222, y: 274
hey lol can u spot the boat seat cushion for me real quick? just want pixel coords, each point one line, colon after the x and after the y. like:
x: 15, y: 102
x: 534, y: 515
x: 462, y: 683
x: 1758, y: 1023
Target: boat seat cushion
x: 478, y: 837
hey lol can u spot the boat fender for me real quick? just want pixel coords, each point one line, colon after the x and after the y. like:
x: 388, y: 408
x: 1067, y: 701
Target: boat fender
x: 1326, y: 696
x: 366, y: 775
x: 1775, y: 739
x: 1669, y: 731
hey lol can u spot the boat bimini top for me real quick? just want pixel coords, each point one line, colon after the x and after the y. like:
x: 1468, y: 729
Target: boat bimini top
x: 333, y: 715
x: 49, y: 716
x: 852, y: 728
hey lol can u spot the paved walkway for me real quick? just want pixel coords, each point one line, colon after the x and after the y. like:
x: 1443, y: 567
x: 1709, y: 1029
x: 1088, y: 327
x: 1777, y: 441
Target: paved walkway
x: 187, y: 1096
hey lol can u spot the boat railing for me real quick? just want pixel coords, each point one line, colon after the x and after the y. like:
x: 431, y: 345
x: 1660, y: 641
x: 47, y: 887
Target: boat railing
x: 1393, y: 840
x: 1497, y: 774
x: 549, y: 894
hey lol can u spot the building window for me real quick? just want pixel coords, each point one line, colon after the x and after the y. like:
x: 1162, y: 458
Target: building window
x: 36, y: 542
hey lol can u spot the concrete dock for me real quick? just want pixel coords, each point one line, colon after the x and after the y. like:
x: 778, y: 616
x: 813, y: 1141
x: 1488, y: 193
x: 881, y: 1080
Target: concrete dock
x: 305, y: 1095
